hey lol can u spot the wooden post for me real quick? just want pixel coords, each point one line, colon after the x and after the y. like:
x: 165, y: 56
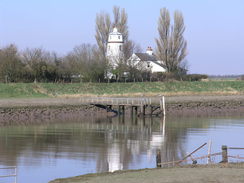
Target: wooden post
x: 158, y: 158
x: 109, y: 107
x: 143, y: 110
x: 151, y: 111
x: 123, y: 109
x: 136, y: 109
x: 224, y: 154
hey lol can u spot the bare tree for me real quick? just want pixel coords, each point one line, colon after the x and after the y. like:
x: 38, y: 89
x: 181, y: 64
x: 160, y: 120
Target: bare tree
x: 103, y: 28
x: 39, y: 64
x: 85, y: 61
x: 121, y: 21
x: 171, y: 45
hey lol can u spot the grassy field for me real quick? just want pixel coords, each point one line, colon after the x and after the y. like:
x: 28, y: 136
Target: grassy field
x: 32, y: 90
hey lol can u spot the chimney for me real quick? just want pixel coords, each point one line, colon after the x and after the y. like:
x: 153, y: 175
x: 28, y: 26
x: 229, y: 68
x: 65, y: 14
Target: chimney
x: 149, y: 50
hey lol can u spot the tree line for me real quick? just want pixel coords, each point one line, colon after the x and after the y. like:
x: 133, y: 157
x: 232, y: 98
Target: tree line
x: 88, y: 62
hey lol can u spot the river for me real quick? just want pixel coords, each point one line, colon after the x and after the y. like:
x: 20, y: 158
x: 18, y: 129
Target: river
x: 62, y: 149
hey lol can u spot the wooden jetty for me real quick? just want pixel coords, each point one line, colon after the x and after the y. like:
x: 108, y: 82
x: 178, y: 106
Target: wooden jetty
x: 140, y: 106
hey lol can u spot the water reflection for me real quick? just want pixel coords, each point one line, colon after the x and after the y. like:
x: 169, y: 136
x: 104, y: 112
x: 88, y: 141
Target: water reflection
x: 92, y: 144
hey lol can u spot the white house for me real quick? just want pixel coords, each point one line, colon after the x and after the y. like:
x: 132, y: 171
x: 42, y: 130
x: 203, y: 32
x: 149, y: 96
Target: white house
x: 115, y: 54
x: 147, y: 60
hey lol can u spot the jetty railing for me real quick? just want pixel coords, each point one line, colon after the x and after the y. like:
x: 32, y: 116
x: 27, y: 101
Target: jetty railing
x: 141, y: 102
x: 9, y: 175
x: 121, y: 100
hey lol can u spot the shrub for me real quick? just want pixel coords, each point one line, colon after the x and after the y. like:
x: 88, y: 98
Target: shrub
x: 242, y: 77
x: 195, y: 77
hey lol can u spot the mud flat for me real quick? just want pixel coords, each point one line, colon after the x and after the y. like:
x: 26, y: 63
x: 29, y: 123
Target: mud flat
x: 42, y: 109
x: 205, y: 105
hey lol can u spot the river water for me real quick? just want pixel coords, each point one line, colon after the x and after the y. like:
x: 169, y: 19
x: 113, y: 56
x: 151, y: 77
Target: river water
x: 63, y: 149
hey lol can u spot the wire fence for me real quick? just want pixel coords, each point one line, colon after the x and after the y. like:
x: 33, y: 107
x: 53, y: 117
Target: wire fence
x: 225, y: 156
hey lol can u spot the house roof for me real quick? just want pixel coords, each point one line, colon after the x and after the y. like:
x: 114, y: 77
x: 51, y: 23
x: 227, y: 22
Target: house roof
x: 147, y: 57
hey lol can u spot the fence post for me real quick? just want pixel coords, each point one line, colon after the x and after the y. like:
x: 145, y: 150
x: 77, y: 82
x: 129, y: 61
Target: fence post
x: 224, y: 154
x: 158, y: 158
x: 163, y: 101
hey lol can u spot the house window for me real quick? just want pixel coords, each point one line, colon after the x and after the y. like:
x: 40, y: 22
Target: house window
x: 118, y: 37
x: 120, y: 48
x: 108, y: 47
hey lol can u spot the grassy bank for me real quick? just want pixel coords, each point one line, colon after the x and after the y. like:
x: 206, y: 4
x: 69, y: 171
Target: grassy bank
x: 201, y: 174
x: 32, y: 90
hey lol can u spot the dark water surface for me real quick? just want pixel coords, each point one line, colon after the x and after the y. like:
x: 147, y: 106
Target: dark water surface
x: 56, y: 150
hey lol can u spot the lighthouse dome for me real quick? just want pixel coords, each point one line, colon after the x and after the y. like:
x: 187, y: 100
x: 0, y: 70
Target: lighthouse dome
x: 115, y: 36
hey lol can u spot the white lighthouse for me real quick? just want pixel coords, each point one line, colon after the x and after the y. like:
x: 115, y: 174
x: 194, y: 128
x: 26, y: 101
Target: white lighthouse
x: 115, y: 47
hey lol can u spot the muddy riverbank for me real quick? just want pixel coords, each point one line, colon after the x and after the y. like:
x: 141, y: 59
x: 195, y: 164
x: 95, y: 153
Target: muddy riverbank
x: 54, y: 109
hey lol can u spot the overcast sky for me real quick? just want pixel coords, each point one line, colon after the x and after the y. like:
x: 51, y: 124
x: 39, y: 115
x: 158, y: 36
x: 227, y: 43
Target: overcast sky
x: 214, y: 28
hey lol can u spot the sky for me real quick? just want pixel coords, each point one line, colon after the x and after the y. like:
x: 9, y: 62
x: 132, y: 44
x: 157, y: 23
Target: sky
x: 214, y: 28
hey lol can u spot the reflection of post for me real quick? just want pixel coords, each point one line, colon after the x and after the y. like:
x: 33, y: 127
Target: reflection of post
x: 136, y: 120
x: 144, y: 121
x: 209, y: 151
x: 131, y: 112
x: 163, y: 126
x: 132, y: 120
x: 158, y: 158
x: 164, y: 106
x: 123, y: 118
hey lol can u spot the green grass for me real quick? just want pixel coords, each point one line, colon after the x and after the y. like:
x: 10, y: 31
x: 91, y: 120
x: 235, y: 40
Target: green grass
x: 30, y: 90
x: 19, y: 90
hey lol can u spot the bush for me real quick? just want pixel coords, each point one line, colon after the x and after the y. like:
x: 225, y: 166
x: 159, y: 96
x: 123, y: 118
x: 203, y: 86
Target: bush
x: 195, y: 77
x: 242, y: 77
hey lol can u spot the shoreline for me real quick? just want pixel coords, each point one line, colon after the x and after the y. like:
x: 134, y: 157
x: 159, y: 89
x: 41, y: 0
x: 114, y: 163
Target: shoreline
x: 41, y: 109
